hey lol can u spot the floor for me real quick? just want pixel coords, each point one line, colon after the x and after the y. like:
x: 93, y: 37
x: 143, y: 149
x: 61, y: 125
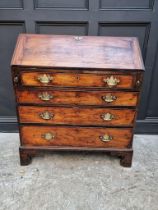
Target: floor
x: 82, y: 181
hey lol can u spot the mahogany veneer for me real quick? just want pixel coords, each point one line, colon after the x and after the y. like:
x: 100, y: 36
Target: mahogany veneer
x: 77, y: 93
x: 77, y: 97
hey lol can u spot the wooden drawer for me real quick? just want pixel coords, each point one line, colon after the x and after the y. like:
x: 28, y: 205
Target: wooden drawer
x: 76, y: 136
x: 105, y: 79
x: 77, y: 116
x: 100, y: 98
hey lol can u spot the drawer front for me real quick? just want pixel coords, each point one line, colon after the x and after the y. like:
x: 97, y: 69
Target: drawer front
x: 111, y: 80
x: 101, y: 98
x: 76, y: 137
x: 76, y: 116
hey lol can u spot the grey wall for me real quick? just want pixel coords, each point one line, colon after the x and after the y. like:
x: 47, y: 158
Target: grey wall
x: 82, y: 17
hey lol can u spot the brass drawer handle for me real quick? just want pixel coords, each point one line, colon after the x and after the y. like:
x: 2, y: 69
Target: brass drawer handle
x: 138, y: 83
x: 107, y: 117
x: 111, y: 81
x: 44, y: 79
x: 46, y: 115
x: 109, y: 98
x: 106, y: 138
x: 48, y: 136
x: 45, y: 96
x: 16, y: 79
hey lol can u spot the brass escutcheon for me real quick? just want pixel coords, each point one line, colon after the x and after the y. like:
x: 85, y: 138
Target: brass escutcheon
x: 45, y: 96
x: 109, y: 98
x: 48, y: 136
x: 107, y: 117
x: 45, y: 79
x: 78, y: 38
x: 111, y: 81
x: 46, y: 115
x: 106, y: 138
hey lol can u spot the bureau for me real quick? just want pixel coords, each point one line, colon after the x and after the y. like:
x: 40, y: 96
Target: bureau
x: 76, y: 93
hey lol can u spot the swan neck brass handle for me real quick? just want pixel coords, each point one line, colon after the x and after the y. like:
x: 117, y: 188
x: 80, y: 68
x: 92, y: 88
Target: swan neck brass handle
x: 48, y: 136
x: 45, y: 78
x: 111, y: 81
x: 109, y: 98
x: 45, y: 96
x: 106, y: 138
x: 107, y: 117
x: 46, y: 115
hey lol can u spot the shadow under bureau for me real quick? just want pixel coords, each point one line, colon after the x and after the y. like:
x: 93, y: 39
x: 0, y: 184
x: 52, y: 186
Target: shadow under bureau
x: 76, y: 93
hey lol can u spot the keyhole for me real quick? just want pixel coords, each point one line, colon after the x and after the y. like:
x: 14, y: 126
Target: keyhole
x: 78, y: 77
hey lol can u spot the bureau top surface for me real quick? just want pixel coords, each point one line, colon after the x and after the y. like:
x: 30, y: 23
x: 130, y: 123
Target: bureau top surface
x: 93, y: 52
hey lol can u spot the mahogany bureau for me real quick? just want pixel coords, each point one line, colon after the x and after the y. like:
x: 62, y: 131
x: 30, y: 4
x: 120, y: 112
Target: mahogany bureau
x: 77, y: 93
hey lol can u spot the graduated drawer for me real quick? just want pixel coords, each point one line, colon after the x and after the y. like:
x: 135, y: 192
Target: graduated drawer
x: 101, y: 98
x: 77, y: 115
x: 76, y: 136
x: 105, y: 79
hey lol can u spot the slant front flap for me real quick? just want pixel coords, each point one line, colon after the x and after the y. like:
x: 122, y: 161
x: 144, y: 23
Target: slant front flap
x: 78, y: 52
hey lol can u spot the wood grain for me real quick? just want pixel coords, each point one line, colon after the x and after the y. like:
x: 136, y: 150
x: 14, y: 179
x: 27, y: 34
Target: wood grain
x: 77, y: 115
x: 77, y: 97
x: 76, y: 137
